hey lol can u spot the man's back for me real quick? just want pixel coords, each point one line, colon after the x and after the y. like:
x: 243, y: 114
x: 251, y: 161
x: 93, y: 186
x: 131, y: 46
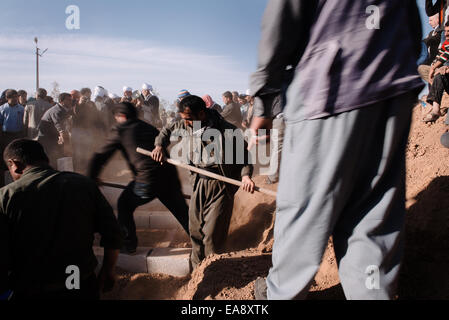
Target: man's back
x: 52, y: 219
x: 342, y: 59
x: 350, y: 102
x: 151, y: 110
x: 232, y: 114
x: 53, y: 122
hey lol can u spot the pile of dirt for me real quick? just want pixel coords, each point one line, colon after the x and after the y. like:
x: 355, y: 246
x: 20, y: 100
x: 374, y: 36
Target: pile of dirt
x: 232, y: 275
x: 227, y: 276
x: 252, y: 217
x: 145, y: 286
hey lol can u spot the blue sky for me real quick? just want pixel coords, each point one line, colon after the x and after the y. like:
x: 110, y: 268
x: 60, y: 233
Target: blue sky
x: 205, y: 46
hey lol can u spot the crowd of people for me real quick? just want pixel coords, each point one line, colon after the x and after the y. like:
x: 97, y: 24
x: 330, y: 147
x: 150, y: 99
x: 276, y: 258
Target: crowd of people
x: 65, y: 127
x: 433, y: 65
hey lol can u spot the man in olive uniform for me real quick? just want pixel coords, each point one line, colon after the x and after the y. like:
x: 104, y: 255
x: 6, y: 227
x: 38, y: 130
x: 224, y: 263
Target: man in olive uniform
x: 212, y: 201
x: 48, y: 220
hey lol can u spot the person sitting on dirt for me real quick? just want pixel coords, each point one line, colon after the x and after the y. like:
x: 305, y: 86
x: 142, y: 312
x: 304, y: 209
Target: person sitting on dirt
x: 151, y: 180
x: 432, y: 43
x: 439, y: 79
x: 47, y: 225
x: 212, y: 201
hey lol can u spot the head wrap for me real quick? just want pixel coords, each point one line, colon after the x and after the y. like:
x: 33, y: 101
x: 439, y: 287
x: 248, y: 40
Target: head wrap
x: 147, y: 86
x: 183, y: 93
x: 208, y: 100
x: 99, y: 92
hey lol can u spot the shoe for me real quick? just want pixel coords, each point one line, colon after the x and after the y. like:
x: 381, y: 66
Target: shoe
x: 128, y: 250
x: 260, y: 289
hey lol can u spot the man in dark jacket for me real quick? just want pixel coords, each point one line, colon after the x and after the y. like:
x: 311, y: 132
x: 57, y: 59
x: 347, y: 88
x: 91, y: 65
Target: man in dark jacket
x: 48, y: 220
x: 432, y: 44
x: 53, y: 128
x: 152, y: 180
x: 150, y: 106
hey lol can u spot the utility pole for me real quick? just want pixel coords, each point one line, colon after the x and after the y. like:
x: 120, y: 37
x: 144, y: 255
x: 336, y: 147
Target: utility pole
x: 37, y: 62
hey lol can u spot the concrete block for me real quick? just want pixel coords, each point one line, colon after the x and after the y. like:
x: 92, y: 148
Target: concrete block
x: 133, y: 263
x: 171, y: 261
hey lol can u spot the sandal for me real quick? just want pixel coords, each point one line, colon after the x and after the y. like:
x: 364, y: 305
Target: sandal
x: 431, y: 117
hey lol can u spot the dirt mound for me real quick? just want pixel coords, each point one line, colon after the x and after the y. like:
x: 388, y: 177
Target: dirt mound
x: 227, y: 276
x: 145, y: 287
x: 252, y: 215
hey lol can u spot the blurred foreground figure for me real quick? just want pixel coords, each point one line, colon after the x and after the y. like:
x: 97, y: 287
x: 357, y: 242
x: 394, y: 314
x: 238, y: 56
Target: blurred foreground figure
x: 88, y: 130
x: 152, y: 180
x: 47, y: 222
x: 347, y: 120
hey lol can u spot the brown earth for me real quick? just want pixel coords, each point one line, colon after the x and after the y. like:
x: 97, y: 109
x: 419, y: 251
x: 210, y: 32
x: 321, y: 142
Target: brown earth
x: 232, y: 275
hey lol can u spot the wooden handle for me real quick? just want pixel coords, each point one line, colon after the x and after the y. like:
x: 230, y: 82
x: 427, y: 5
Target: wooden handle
x: 207, y: 173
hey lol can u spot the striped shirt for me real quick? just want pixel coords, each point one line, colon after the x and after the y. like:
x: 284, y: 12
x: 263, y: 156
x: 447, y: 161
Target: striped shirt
x: 443, y: 52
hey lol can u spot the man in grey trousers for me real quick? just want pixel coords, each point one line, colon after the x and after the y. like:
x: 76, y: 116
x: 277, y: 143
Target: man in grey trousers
x: 347, y: 120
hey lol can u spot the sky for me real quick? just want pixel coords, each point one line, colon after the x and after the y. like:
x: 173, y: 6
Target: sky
x: 204, y: 46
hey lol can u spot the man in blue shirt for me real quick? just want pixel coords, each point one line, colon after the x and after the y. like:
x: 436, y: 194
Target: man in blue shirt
x: 11, y: 114
x: 11, y: 124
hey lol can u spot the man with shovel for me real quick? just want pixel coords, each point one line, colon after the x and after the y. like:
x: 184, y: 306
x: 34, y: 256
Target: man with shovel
x: 212, y: 201
x: 151, y: 179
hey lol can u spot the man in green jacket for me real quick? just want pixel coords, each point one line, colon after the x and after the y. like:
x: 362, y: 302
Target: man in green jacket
x: 50, y: 218
x: 210, y: 143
